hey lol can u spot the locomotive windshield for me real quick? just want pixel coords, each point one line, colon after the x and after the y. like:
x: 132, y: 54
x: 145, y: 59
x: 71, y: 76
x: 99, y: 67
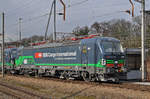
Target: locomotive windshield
x: 109, y: 46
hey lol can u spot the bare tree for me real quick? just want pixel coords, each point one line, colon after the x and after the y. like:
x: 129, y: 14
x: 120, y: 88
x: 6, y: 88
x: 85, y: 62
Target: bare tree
x: 81, y: 30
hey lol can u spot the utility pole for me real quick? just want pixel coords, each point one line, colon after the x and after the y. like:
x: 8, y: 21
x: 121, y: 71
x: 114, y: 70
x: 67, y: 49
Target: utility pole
x: 64, y: 14
x: 2, y: 56
x: 20, y: 19
x: 50, y: 14
x: 54, y: 35
x: 143, y: 40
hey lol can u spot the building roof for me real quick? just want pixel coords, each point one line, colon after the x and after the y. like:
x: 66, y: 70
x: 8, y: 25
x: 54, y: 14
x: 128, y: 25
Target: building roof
x: 134, y: 50
x: 8, y: 38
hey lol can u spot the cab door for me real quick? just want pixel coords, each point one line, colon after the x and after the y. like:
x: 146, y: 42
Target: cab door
x: 88, y: 58
x: 84, y: 56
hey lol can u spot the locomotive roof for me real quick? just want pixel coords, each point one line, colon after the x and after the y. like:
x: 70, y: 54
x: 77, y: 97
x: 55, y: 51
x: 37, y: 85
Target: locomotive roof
x: 83, y: 41
x: 109, y: 39
x: 93, y: 40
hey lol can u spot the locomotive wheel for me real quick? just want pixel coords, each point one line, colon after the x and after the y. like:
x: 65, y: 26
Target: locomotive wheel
x: 92, y: 78
x: 117, y: 81
x: 86, y: 76
x: 13, y: 72
x: 66, y: 75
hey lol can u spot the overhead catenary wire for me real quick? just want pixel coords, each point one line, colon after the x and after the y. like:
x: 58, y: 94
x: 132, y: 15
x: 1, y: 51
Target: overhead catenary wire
x: 25, y: 26
x: 36, y: 17
x: 78, y: 3
x: 29, y: 30
x: 24, y: 5
x: 46, y: 14
x: 28, y: 20
x: 109, y: 14
x: 33, y: 19
x: 14, y: 30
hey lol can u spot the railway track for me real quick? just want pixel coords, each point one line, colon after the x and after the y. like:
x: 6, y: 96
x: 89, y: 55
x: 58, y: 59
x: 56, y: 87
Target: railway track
x: 128, y: 86
x: 18, y: 93
x: 52, y: 86
x: 9, y: 94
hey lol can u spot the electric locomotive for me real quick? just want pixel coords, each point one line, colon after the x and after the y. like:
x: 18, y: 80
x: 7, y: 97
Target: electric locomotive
x: 94, y: 59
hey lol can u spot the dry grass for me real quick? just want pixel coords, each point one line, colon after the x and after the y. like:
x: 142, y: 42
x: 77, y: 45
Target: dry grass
x: 3, y: 96
x: 61, y: 90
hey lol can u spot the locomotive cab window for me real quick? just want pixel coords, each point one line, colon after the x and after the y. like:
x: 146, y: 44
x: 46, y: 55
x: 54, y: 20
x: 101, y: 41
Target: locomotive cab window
x: 109, y: 47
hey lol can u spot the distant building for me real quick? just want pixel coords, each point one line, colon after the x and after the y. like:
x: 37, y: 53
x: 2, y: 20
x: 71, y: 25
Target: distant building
x: 133, y: 63
x: 10, y: 41
x: 62, y: 35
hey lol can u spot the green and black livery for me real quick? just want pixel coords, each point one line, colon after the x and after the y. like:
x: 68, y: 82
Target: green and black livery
x: 100, y: 59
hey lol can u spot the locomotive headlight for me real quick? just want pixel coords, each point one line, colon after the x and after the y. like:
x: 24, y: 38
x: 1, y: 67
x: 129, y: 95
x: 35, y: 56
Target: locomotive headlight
x: 103, y: 62
x: 116, y: 62
x: 89, y: 48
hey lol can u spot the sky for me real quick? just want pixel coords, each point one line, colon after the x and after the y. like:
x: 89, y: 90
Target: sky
x: 78, y: 13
